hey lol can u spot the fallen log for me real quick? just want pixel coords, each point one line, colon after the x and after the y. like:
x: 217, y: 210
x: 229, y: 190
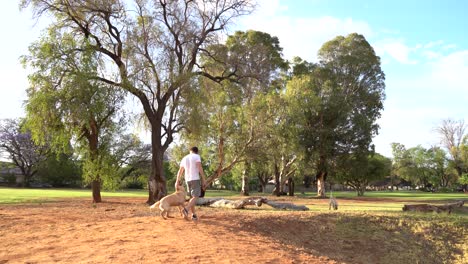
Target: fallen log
x: 433, y: 208
x: 207, y: 201
x: 287, y: 206
x: 240, y: 204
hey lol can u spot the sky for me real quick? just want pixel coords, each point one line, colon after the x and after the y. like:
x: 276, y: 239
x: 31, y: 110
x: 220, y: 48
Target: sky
x: 423, y: 46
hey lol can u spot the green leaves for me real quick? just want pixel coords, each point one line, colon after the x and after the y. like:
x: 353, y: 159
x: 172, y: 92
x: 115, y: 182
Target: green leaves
x: 65, y: 105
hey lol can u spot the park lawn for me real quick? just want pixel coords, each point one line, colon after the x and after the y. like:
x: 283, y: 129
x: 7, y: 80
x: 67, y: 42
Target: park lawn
x: 396, y: 195
x: 26, y: 195
x: 388, y: 202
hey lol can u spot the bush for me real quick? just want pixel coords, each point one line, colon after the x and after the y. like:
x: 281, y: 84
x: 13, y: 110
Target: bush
x: 60, y: 171
x: 138, y: 182
x: 445, y: 190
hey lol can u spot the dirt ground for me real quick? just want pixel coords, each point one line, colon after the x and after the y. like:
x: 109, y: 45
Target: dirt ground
x: 122, y: 230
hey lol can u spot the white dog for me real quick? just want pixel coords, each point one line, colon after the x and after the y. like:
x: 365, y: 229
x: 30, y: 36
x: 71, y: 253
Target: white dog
x: 333, y: 204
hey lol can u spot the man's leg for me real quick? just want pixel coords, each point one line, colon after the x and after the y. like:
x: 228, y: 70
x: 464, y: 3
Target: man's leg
x: 194, y: 188
x: 192, y: 203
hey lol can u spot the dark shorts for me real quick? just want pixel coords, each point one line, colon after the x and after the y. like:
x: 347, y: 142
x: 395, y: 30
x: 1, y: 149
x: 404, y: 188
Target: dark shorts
x: 194, y: 188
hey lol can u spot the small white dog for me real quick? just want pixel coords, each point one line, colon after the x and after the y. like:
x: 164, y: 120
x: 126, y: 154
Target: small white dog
x: 333, y: 204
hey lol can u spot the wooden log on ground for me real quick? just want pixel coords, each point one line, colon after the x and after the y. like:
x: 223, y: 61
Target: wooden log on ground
x: 240, y: 204
x: 432, y: 208
x: 207, y: 201
x: 287, y: 206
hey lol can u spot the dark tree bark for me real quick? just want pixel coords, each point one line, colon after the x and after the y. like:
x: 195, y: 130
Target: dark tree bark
x: 263, y: 179
x: 291, y: 186
x: 96, y: 189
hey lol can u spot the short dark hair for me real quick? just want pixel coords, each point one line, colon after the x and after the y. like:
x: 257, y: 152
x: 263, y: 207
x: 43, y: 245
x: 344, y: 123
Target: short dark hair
x: 194, y: 150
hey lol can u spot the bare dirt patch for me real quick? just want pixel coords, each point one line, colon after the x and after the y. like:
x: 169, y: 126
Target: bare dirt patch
x: 122, y: 230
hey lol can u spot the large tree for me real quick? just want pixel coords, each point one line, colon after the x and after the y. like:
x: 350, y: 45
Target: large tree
x: 452, y: 134
x: 150, y: 49
x: 424, y: 167
x: 359, y: 171
x: 235, y: 113
x: 21, y: 149
x: 65, y: 105
x: 339, y: 100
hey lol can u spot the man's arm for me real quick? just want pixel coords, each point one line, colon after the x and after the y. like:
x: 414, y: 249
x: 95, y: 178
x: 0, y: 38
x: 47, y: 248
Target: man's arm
x: 179, y: 175
x: 202, y: 175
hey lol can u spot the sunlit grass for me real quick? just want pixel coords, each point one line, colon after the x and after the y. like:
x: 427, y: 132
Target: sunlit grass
x: 395, y: 201
x: 21, y: 195
x: 397, y: 195
x: 26, y: 195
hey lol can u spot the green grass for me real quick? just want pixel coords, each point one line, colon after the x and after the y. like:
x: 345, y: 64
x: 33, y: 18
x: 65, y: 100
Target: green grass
x: 399, y: 195
x: 20, y: 195
x: 25, y: 195
x: 395, y: 199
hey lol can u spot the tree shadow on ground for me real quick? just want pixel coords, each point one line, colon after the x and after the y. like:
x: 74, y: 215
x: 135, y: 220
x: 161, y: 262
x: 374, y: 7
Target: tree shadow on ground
x: 360, y: 238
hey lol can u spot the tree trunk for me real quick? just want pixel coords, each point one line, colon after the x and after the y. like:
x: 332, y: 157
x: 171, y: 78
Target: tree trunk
x: 392, y: 182
x: 157, y: 181
x: 291, y: 186
x: 263, y: 179
x: 360, y: 190
x: 96, y: 189
x: 321, y: 176
x: 92, y: 136
x: 321, y: 184
x: 276, y: 191
x: 261, y: 187
x: 245, y: 183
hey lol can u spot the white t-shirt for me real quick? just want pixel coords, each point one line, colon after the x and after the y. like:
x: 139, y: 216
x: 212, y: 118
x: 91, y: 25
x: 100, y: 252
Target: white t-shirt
x: 189, y: 163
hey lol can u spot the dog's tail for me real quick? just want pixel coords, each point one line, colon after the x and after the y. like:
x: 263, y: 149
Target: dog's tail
x: 155, y: 205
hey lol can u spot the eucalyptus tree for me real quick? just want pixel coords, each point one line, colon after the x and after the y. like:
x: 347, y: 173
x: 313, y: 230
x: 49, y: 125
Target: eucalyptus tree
x: 64, y: 105
x: 150, y: 49
x: 17, y: 143
x: 358, y: 171
x: 231, y: 115
x: 338, y: 101
x: 452, y: 134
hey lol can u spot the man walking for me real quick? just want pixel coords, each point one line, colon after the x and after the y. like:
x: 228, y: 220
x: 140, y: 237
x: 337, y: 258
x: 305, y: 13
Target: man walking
x: 194, y: 177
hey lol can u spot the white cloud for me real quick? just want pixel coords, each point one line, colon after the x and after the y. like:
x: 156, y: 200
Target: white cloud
x: 431, y: 55
x: 300, y: 36
x: 433, y: 44
x: 449, y: 47
x: 396, y: 49
x: 451, y: 71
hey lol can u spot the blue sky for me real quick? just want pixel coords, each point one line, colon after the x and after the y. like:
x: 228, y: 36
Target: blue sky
x: 423, y: 46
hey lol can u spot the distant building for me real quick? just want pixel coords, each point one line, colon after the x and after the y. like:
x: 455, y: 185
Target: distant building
x: 6, y: 173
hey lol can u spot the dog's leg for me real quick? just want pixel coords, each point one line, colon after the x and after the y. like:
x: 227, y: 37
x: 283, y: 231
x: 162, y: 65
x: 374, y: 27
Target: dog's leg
x: 162, y: 214
x: 181, y: 207
x: 167, y: 213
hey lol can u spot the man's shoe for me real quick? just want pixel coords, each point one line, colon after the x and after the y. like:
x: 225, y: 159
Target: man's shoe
x: 194, y: 217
